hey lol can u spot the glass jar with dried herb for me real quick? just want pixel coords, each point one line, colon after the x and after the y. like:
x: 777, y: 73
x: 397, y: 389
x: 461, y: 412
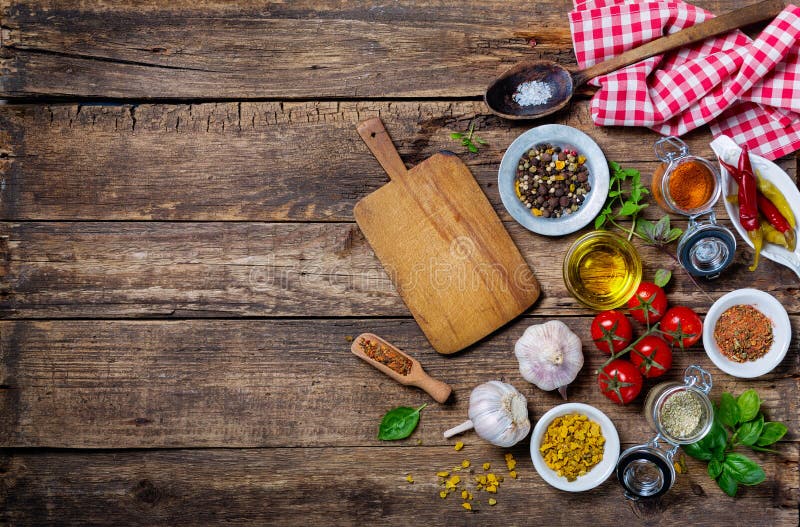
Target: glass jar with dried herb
x: 680, y: 413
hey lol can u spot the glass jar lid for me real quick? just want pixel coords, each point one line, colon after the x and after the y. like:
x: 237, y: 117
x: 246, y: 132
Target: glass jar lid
x: 705, y: 250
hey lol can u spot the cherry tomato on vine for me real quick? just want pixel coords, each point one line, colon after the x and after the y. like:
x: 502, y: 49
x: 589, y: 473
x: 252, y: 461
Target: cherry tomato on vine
x: 681, y: 325
x: 652, y: 356
x: 620, y: 381
x: 648, y: 304
x: 613, y: 327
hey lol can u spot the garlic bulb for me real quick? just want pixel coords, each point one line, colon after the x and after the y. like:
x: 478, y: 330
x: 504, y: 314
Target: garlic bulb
x: 499, y: 414
x: 549, y: 356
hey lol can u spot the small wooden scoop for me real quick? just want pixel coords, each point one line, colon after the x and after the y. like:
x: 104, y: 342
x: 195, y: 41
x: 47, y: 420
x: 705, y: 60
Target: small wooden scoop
x: 416, y: 375
x: 562, y: 82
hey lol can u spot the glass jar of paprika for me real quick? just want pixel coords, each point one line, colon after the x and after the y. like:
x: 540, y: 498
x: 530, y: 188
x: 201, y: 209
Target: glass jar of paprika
x: 690, y: 186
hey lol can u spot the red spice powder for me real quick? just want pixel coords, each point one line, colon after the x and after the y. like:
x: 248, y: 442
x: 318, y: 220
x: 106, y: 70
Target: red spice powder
x: 385, y: 355
x: 743, y: 333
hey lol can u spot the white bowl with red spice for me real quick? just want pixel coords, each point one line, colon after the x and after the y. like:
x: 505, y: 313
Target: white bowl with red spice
x: 598, y: 473
x: 742, y: 324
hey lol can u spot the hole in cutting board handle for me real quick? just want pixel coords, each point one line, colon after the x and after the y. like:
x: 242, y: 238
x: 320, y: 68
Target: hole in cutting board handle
x: 372, y: 134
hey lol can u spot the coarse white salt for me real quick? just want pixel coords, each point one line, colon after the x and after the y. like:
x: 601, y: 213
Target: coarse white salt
x: 531, y: 93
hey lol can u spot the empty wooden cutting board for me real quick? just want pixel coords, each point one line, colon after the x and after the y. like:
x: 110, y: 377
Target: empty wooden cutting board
x: 444, y: 247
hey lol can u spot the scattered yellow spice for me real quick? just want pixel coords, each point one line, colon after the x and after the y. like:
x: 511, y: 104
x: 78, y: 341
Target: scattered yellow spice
x: 487, y: 466
x: 465, y: 463
x: 452, y: 482
x: 560, y: 165
x: 459, y: 445
x: 492, y: 501
x: 513, y: 474
x: 443, y: 494
x: 572, y: 445
x: 409, y: 478
x: 491, y: 488
x: 464, y: 494
x: 536, y: 212
x: 510, y: 461
x: 467, y: 506
x: 443, y: 474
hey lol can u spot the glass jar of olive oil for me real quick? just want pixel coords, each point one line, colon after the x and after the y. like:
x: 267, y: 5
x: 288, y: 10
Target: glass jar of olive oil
x: 602, y: 270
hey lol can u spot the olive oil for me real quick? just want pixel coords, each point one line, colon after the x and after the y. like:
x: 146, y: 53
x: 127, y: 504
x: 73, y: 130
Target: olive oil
x: 602, y: 270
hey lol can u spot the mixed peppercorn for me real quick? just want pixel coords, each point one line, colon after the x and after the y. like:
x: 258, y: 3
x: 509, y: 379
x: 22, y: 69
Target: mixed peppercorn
x: 552, y: 181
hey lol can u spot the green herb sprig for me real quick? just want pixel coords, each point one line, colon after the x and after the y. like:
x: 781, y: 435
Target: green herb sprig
x: 742, y: 417
x: 469, y: 139
x: 399, y: 423
x: 624, y: 200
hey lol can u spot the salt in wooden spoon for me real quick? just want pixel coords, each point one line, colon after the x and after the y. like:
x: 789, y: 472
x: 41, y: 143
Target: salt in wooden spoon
x: 416, y: 376
x: 562, y: 83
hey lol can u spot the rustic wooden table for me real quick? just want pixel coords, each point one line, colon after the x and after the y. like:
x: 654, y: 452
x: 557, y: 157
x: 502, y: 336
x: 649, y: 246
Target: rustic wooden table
x: 180, y: 270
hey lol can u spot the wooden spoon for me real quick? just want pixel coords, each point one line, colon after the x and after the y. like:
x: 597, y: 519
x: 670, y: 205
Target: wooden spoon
x: 416, y: 375
x: 562, y: 82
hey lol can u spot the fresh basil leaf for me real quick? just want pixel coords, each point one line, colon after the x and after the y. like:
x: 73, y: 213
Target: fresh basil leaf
x: 456, y: 135
x: 714, y: 468
x: 472, y: 148
x: 711, y: 446
x: 662, y: 277
x: 636, y: 194
x: 727, y: 483
x: 698, y: 451
x: 744, y: 470
x: 748, y: 403
x: 749, y: 432
x: 614, y: 167
x: 728, y: 410
x: 398, y: 423
x: 771, y: 433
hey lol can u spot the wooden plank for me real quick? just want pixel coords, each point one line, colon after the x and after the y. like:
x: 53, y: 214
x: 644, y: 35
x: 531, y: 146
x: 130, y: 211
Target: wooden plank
x: 249, y: 161
x: 147, y: 269
x: 353, y: 486
x: 245, y: 383
x: 284, y: 50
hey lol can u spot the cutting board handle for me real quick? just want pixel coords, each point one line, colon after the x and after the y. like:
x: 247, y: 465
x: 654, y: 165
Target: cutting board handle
x: 380, y: 144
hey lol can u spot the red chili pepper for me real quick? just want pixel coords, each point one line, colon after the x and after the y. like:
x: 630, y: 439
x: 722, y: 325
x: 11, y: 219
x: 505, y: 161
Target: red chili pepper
x: 748, y: 190
x: 776, y: 219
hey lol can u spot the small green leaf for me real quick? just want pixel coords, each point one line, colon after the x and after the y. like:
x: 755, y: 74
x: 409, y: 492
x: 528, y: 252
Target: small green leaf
x: 599, y: 221
x: 636, y: 194
x: 727, y: 483
x: 480, y: 141
x: 771, y: 433
x: 629, y: 208
x: 614, y: 193
x: 399, y: 423
x: 744, y: 470
x: 728, y: 410
x: 673, y: 235
x: 662, y: 278
x: 697, y: 451
x: 614, y: 166
x: 748, y: 403
x: 763, y: 449
x: 662, y: 226
x: 472, y: 148
x: 456, y: 135
x: 749, y: 432
x: 714, y: 468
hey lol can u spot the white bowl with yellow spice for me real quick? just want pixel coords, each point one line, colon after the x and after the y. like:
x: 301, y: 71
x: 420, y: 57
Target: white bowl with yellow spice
x: 574, y: 447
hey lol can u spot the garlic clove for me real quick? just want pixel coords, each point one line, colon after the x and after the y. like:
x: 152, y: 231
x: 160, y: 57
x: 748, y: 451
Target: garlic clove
x: 549, y: 355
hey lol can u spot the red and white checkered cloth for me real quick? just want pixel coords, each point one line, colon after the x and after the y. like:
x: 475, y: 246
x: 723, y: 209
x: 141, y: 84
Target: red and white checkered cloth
x: 746, y: 89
